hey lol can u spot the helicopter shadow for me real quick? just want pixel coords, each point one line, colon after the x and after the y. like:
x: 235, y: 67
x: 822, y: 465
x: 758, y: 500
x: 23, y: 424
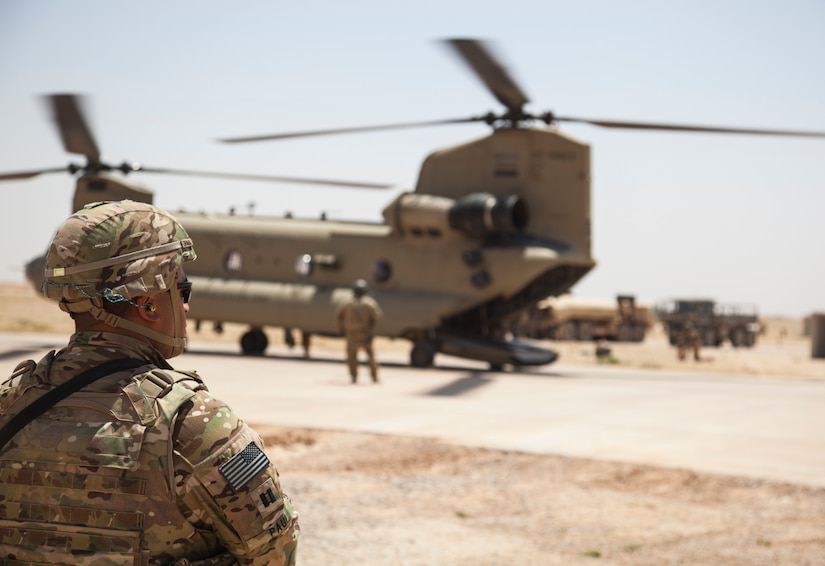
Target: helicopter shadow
x: 476, y: 379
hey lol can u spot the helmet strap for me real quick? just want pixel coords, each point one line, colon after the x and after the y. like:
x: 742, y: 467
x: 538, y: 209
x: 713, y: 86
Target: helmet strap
x: 174, y: 345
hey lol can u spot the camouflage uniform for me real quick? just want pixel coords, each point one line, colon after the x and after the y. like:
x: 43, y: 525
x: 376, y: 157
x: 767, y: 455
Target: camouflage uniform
x: 694, y: 343
x: 141, y: 467
x: 357, y: 320
x: 689, y: 340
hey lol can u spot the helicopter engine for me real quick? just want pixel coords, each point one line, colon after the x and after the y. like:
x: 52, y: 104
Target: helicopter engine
x: 477, y: 215
x: 482, y: 214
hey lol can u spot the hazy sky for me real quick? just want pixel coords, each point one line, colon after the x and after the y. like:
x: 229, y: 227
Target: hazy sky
x: 735, y: 218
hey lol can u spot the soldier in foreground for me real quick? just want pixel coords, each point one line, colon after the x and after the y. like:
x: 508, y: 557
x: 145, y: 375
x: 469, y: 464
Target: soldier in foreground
x: 107, y: 454
x: 357, y: 320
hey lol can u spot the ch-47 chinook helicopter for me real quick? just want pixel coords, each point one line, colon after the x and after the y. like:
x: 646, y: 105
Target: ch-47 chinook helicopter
x: 493, y: 226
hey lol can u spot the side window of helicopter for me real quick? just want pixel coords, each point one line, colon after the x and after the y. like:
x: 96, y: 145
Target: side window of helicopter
x: 381, y: 271
x: 304, y: 266
x: 472, y: 257
x: 233, y: 262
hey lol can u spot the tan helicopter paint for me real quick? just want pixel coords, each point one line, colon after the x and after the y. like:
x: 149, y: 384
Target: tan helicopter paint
x: 551, y: 170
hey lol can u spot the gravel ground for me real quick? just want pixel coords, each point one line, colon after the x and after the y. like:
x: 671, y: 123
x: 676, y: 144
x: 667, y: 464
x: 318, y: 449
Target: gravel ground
x: 376, y: 499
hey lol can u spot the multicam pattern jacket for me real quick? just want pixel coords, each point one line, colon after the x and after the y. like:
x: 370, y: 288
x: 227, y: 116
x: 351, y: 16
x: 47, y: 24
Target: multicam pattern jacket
x: 141, y: 467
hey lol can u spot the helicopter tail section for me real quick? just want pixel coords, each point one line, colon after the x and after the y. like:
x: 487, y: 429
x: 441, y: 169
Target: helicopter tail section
x: 546, y: 173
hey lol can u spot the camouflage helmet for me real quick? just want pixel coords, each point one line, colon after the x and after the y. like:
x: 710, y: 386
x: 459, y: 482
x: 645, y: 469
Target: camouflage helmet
x: 116, y: 251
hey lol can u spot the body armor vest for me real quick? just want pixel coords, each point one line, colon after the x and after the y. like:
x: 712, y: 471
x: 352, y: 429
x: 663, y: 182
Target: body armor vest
x: 79, y: 484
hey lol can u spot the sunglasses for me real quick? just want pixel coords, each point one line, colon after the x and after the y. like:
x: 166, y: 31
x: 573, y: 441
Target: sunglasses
x: 185, y: 288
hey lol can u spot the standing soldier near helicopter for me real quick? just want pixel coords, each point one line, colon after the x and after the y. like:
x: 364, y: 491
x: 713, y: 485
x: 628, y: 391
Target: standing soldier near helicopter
x: 107, y: 454
x: 356, y: 321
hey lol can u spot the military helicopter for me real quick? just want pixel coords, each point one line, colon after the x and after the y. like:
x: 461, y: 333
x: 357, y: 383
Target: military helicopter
x: 493, y: 226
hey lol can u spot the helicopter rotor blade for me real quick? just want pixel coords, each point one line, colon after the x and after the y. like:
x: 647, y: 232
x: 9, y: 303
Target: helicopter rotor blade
x: 352, y: 130
x: 494, y: 76
x: 266, y: 178
x: 73, y: 127
x: 686, y: 127
x: 29, y: 174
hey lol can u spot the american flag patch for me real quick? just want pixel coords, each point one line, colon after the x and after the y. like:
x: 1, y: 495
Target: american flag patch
x: 244, y: 466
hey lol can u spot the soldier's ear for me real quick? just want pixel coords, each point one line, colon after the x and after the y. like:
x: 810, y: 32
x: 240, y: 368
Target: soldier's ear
x: 146, y: 309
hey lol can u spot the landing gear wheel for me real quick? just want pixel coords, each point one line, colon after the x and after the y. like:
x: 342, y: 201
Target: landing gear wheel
x: 254, y: 342
x: 422, y: 354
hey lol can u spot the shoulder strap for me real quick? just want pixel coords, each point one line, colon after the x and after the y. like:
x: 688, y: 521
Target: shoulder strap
x: 44, y: 403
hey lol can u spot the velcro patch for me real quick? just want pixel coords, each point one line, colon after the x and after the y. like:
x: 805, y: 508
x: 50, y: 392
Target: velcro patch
x: 268, y: 499
x: 244, y: 466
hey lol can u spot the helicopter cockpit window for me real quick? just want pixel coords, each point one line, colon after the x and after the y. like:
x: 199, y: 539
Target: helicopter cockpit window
x: 304, y: 266
x: 381, y: 271
x: 233, y: 261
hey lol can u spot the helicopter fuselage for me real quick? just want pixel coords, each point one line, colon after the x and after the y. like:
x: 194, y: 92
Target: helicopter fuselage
x: 493, y: 226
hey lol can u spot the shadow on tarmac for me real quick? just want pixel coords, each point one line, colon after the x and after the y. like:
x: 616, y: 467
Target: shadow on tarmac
x: 460, y: 386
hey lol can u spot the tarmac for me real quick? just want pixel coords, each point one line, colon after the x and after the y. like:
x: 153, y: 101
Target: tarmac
x: 759, y: 427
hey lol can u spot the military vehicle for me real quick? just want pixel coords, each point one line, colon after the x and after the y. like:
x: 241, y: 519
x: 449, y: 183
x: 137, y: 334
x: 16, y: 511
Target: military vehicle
x: 569, y: 317
x: 715, y: 323
x: 492, y: 226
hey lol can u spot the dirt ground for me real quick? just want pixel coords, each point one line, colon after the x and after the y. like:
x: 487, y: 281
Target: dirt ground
x: 385, y: 500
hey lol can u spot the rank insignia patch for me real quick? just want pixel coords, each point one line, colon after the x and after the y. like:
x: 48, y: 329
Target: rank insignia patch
x: 244, y: 466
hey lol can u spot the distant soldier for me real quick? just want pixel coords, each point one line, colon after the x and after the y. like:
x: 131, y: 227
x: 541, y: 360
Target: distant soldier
x: 603, y: 350
x: 689, y: 339
x: 306, y: 341
x: 357, y: 320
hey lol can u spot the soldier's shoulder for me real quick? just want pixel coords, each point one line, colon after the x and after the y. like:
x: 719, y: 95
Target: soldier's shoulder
x: 205, y: 424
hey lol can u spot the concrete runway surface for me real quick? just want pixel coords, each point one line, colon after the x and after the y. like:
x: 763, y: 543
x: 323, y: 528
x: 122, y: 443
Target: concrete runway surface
x: 766, y: 428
